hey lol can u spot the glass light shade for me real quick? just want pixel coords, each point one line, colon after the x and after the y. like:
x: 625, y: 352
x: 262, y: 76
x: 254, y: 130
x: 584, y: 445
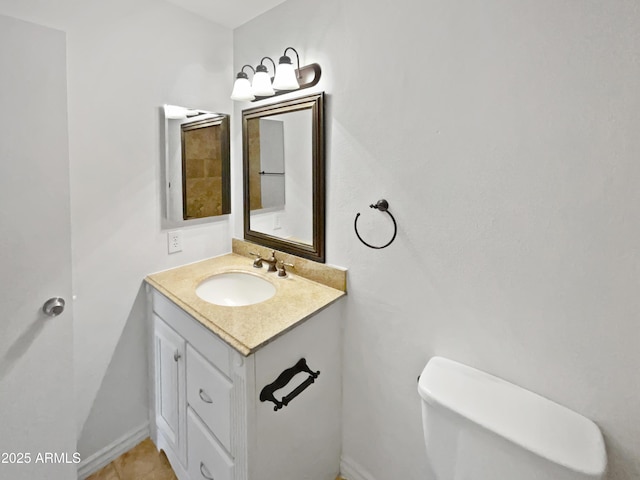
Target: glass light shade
x: 262, y: 85
x: 242, y: 90
x: 285, y: 77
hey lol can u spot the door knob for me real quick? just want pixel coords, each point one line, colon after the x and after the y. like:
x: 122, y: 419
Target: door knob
x: 54, y: 306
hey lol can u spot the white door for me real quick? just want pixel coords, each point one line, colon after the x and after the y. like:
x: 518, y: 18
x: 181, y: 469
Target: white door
x: 37, y: 421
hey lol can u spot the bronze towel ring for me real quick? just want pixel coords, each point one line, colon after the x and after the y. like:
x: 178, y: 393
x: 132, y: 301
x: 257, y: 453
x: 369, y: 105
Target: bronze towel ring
x: 383, y: 206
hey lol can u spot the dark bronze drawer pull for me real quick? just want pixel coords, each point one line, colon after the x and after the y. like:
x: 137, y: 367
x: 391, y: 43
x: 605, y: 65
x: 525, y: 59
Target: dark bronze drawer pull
x: 283, y: 379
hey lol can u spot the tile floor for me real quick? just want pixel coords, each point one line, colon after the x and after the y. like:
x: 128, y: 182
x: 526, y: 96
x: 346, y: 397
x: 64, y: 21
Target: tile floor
x: 143, y: 462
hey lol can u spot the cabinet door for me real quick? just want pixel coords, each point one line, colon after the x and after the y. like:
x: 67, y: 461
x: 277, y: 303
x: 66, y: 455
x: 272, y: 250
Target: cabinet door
x: 170, y: 387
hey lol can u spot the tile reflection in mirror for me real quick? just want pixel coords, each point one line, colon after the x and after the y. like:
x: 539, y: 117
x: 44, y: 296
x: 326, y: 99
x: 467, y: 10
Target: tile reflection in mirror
x: 197, y: 163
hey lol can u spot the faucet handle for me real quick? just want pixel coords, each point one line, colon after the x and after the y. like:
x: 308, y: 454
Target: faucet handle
x: 257, y: 263
x: 282, y: 272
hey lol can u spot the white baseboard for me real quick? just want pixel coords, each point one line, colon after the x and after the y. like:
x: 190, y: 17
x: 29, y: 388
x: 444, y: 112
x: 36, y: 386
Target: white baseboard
x: 351, y: 470
x: 112, y: 451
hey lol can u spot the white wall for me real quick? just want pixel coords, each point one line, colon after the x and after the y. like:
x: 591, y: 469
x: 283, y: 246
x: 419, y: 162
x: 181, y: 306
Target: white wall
x: 504, y: 135
x: 126, y: 59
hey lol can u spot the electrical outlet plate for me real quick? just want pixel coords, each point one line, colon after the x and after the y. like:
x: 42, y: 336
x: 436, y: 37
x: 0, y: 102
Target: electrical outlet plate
x: 277, y: 221
x: 174, y: 239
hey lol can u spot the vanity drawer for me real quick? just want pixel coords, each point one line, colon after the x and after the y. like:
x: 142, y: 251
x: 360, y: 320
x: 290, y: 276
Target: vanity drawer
x: 207, y: 459
x: 209, y: 394
x: 206, y: 342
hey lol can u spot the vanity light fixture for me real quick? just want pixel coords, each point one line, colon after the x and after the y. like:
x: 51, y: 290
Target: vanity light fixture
x: 285, y: 80
x: 261, y: 84
x: 242, y: 88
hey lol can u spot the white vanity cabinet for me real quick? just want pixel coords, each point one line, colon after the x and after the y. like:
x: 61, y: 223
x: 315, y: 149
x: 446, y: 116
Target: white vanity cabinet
x: 206, y: 412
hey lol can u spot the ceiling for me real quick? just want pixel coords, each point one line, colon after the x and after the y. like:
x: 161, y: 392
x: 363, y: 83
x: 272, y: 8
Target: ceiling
x: 230, y: 13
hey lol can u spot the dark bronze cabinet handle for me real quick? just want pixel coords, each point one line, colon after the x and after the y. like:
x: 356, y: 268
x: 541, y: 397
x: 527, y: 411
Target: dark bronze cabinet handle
x: 283, y: 379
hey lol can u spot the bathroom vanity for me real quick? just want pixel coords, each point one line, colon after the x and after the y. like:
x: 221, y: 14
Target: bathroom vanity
x: 247, y: 392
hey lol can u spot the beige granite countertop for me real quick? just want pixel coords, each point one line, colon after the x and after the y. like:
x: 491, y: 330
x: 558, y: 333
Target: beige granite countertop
x: 245, y: 328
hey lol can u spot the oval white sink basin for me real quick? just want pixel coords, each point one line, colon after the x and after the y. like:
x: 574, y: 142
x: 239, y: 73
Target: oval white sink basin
x: 235, y: 289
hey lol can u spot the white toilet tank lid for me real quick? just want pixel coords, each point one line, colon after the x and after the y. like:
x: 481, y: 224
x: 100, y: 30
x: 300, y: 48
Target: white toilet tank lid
x: 525, y: 418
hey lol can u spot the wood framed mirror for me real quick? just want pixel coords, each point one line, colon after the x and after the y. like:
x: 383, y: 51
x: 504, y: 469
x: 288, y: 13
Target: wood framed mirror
x: 284, y: 176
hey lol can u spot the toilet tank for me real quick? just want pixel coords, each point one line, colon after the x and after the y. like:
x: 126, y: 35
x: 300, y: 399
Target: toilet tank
x: 480, y: 427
